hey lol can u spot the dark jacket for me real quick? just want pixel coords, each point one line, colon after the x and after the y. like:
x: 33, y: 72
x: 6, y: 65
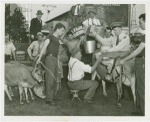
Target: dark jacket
x: 35, y: 27
x: 82, y: 10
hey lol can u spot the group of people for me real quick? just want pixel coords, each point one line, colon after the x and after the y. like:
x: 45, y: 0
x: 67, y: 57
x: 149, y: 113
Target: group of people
x: 59, y: 48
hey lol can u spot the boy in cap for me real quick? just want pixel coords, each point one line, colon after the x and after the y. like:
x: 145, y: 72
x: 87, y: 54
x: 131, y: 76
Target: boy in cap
x: 35, y: 48
x: 76, y: 74
x: 9, y: 49
x: 36, y: 25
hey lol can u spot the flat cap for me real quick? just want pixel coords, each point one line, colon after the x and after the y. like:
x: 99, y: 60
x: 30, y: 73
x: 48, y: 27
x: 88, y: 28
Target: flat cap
x: 45, y: 32
x: 116, y: 24
x: 39, y: 34
x: 74, y: 51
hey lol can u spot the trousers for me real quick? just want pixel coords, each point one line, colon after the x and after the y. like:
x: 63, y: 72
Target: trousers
x: 51, y: 85
x: 140, y: 84
x: 91, y: 85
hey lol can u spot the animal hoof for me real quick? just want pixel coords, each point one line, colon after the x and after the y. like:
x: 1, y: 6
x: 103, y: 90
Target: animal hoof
x: 21, y: 103
x: 27, y: 101
x: 105, y: 95
x: 32, y: 98
x: 119, y: 105
x: 11, y: 99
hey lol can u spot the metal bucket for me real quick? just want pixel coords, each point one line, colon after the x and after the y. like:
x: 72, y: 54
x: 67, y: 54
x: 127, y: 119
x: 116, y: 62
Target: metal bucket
x: 90, y: 46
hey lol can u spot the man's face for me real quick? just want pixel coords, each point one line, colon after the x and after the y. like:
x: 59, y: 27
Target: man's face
x: 142, y: 23
x: 117, y: 31
x: 108, y: 33
x: 91, y: 15
x: 40, y: 37
x: 78, y: 55
x: 39, y: 16
x: 61, y: 31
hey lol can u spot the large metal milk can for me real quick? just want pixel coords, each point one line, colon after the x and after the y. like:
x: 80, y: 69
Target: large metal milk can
x: 90, y: 46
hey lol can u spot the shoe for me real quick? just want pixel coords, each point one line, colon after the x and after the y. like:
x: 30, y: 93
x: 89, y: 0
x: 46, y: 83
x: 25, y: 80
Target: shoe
x: 136, y: 113
x: 51, y: 103
x: 89, y: 101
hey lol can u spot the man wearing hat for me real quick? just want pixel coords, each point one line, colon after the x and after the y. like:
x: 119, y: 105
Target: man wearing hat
x: 36, y: 25
x: 76, y: 74
x: 92, y: 20
x: 139, y: 55
x: 35, y: 48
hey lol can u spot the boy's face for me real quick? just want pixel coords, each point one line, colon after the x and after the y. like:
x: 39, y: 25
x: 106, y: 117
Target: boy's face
x: 91, y: 15
x: 61, y: 31
x: 108, y: 33
x: 40, y: 37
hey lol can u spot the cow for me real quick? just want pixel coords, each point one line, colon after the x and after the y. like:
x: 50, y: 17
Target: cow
x: 20, y: 75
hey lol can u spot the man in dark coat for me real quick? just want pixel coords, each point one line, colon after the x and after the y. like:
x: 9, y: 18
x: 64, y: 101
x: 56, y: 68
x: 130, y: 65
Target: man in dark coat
x: 36, y: 25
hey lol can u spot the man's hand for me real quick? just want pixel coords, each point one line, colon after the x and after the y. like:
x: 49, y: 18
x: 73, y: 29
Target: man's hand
x: 32, y: 36
x: 31, y: 58
x: 122, y: 62
x: 38, y: 61
x: 93, y: 33
x: 98, y: 58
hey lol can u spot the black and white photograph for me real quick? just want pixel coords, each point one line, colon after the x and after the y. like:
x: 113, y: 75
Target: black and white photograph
x: 74, y: 59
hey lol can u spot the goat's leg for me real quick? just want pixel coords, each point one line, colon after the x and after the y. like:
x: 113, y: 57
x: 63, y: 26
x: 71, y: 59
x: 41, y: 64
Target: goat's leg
x: 133, y: 88
x: 94, y: 75
x: 104, y: 88
x: 6, y: 90
x: 26, y: 93
x: 119, y: 90
x: 10, y: 91
x: 20, y: 92
x: 31, y: 94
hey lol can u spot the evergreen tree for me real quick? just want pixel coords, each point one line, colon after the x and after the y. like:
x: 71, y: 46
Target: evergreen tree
x: 15, y: 25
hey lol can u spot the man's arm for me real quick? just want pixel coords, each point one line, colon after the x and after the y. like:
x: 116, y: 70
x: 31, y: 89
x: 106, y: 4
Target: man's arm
x: 134, y: 54
x: 100, y: 39
x: 29, y: 50
x: 47, y: 41
x: 14, y: 55
x: 81, y: 40
x: 13, y: 49
x: 63, y: 55
x: 96, y: 63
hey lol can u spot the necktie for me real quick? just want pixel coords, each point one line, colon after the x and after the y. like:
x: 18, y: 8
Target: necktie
x: 92, y: 21
x: 40, y: 20
x: 117, y: 40
x: 78, y: 9
x: 39, y: 49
